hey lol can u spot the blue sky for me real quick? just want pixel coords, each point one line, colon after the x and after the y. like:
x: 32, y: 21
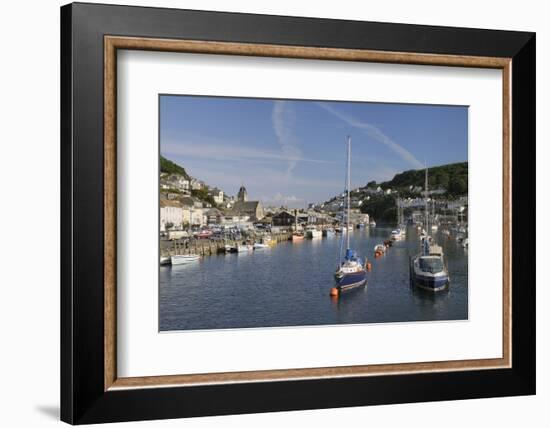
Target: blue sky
x: 292, y: 152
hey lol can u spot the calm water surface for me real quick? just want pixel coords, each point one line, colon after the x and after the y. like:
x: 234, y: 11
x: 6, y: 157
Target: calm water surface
x: 289, y: 284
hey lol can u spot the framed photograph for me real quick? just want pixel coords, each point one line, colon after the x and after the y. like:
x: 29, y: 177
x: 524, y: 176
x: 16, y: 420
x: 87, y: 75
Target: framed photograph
x: 267, y: 213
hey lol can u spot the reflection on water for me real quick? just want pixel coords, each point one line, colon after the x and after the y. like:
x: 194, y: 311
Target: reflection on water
x: 288, y: 285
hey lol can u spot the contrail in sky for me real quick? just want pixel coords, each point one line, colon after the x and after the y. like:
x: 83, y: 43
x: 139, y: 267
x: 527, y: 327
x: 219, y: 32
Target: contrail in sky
x: 375, y: 133
x: 283, y: 118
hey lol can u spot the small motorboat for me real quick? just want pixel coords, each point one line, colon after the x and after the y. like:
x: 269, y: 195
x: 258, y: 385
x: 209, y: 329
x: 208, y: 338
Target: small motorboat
x: 259, y: 246
x: 243, y: 248
x: 396, y: 235
x: 231, y: 249
x: 329, y: 233
x: 379, y: 249
x: 165, y: 260
x: 312, y: 232
x: 184, y: 259
x: 297, y: 236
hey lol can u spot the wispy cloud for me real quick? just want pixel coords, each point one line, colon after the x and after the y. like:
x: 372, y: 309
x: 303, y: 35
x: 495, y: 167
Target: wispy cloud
x: 375, y: 133
x: 280, y: 199
x: 283, y: 118
x: 229, y: 151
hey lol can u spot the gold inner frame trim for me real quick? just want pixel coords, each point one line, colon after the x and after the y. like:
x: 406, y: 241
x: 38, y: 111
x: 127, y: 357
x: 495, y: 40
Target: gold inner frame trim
x: 113, y: 43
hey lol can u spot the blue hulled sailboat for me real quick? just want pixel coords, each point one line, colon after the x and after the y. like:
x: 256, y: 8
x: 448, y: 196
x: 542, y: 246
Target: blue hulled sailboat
x: 351, y: 271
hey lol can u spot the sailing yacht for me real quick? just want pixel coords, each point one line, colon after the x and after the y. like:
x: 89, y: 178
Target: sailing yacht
x: 351, y: 271
x: 428, y: 269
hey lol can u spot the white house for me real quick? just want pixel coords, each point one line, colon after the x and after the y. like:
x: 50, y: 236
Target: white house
x: 171, y: 215
x: 217, y: 195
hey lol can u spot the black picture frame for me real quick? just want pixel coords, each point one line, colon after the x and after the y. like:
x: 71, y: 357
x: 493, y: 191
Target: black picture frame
x: 83, y: 398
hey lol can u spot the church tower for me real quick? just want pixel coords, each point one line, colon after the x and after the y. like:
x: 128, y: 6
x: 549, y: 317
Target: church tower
x: 242, y: 196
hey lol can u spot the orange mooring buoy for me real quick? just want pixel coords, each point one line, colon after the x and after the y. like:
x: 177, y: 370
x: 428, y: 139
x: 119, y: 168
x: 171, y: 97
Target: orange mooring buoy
x: 369, y: 266
x: 334, y: 292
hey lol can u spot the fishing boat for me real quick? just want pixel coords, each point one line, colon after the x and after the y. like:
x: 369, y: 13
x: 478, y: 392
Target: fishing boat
x: 351, y: 272
x: 313, y: 233
x: 428, y: 269
x: 184, y: 259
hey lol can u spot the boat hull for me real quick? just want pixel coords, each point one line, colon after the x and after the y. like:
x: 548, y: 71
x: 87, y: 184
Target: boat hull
x: 431, y: 283
x: 351, y: 280
x: 184, y: 260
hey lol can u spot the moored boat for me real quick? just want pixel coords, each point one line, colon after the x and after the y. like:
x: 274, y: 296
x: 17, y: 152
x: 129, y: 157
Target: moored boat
x: 231, y: 249
x: 259, y: 245
x: 351, y: 272
x: 243, y: 248
x: 297, y: 236
x: 379, y: 249
x: 184, y: 259
x: 313, y: 233
x: 329, y: 233
x: 428, y: 269
x: 396, y: 235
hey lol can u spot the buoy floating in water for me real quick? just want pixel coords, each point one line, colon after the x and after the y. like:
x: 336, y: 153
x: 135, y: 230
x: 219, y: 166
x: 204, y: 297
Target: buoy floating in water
x: 334, y: 292
x: 369, y: 266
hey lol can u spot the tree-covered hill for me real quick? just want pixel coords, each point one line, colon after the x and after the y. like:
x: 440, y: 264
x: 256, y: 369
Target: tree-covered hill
x: 170, y: 167
x: 452, y: 177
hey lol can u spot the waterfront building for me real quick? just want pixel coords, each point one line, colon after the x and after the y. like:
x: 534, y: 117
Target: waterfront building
x: 283, y: 219
x: 213, y: 216
x: 253, y: 209
x: 171, y: 215
x: 243, y: 207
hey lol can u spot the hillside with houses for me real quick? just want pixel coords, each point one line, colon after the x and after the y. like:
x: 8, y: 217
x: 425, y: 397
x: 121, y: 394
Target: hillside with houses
x: 448, y: 188
x: 187, y: 203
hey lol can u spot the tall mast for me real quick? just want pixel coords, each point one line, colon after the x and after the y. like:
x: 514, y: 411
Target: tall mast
x: 348, y: 188
x: 426, y: 197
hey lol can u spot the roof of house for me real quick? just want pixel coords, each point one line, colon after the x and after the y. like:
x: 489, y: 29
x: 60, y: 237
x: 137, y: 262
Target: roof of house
x: 213, y: 211
x: 282, y: 214
x: 169, y: 203
x: 187, y: 201
x: 248, y: 206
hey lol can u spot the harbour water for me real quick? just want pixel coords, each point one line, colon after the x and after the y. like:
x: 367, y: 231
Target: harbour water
x: 289, y: 285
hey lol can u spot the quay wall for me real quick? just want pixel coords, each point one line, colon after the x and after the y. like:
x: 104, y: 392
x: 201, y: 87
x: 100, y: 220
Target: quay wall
x: 207, y: 247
